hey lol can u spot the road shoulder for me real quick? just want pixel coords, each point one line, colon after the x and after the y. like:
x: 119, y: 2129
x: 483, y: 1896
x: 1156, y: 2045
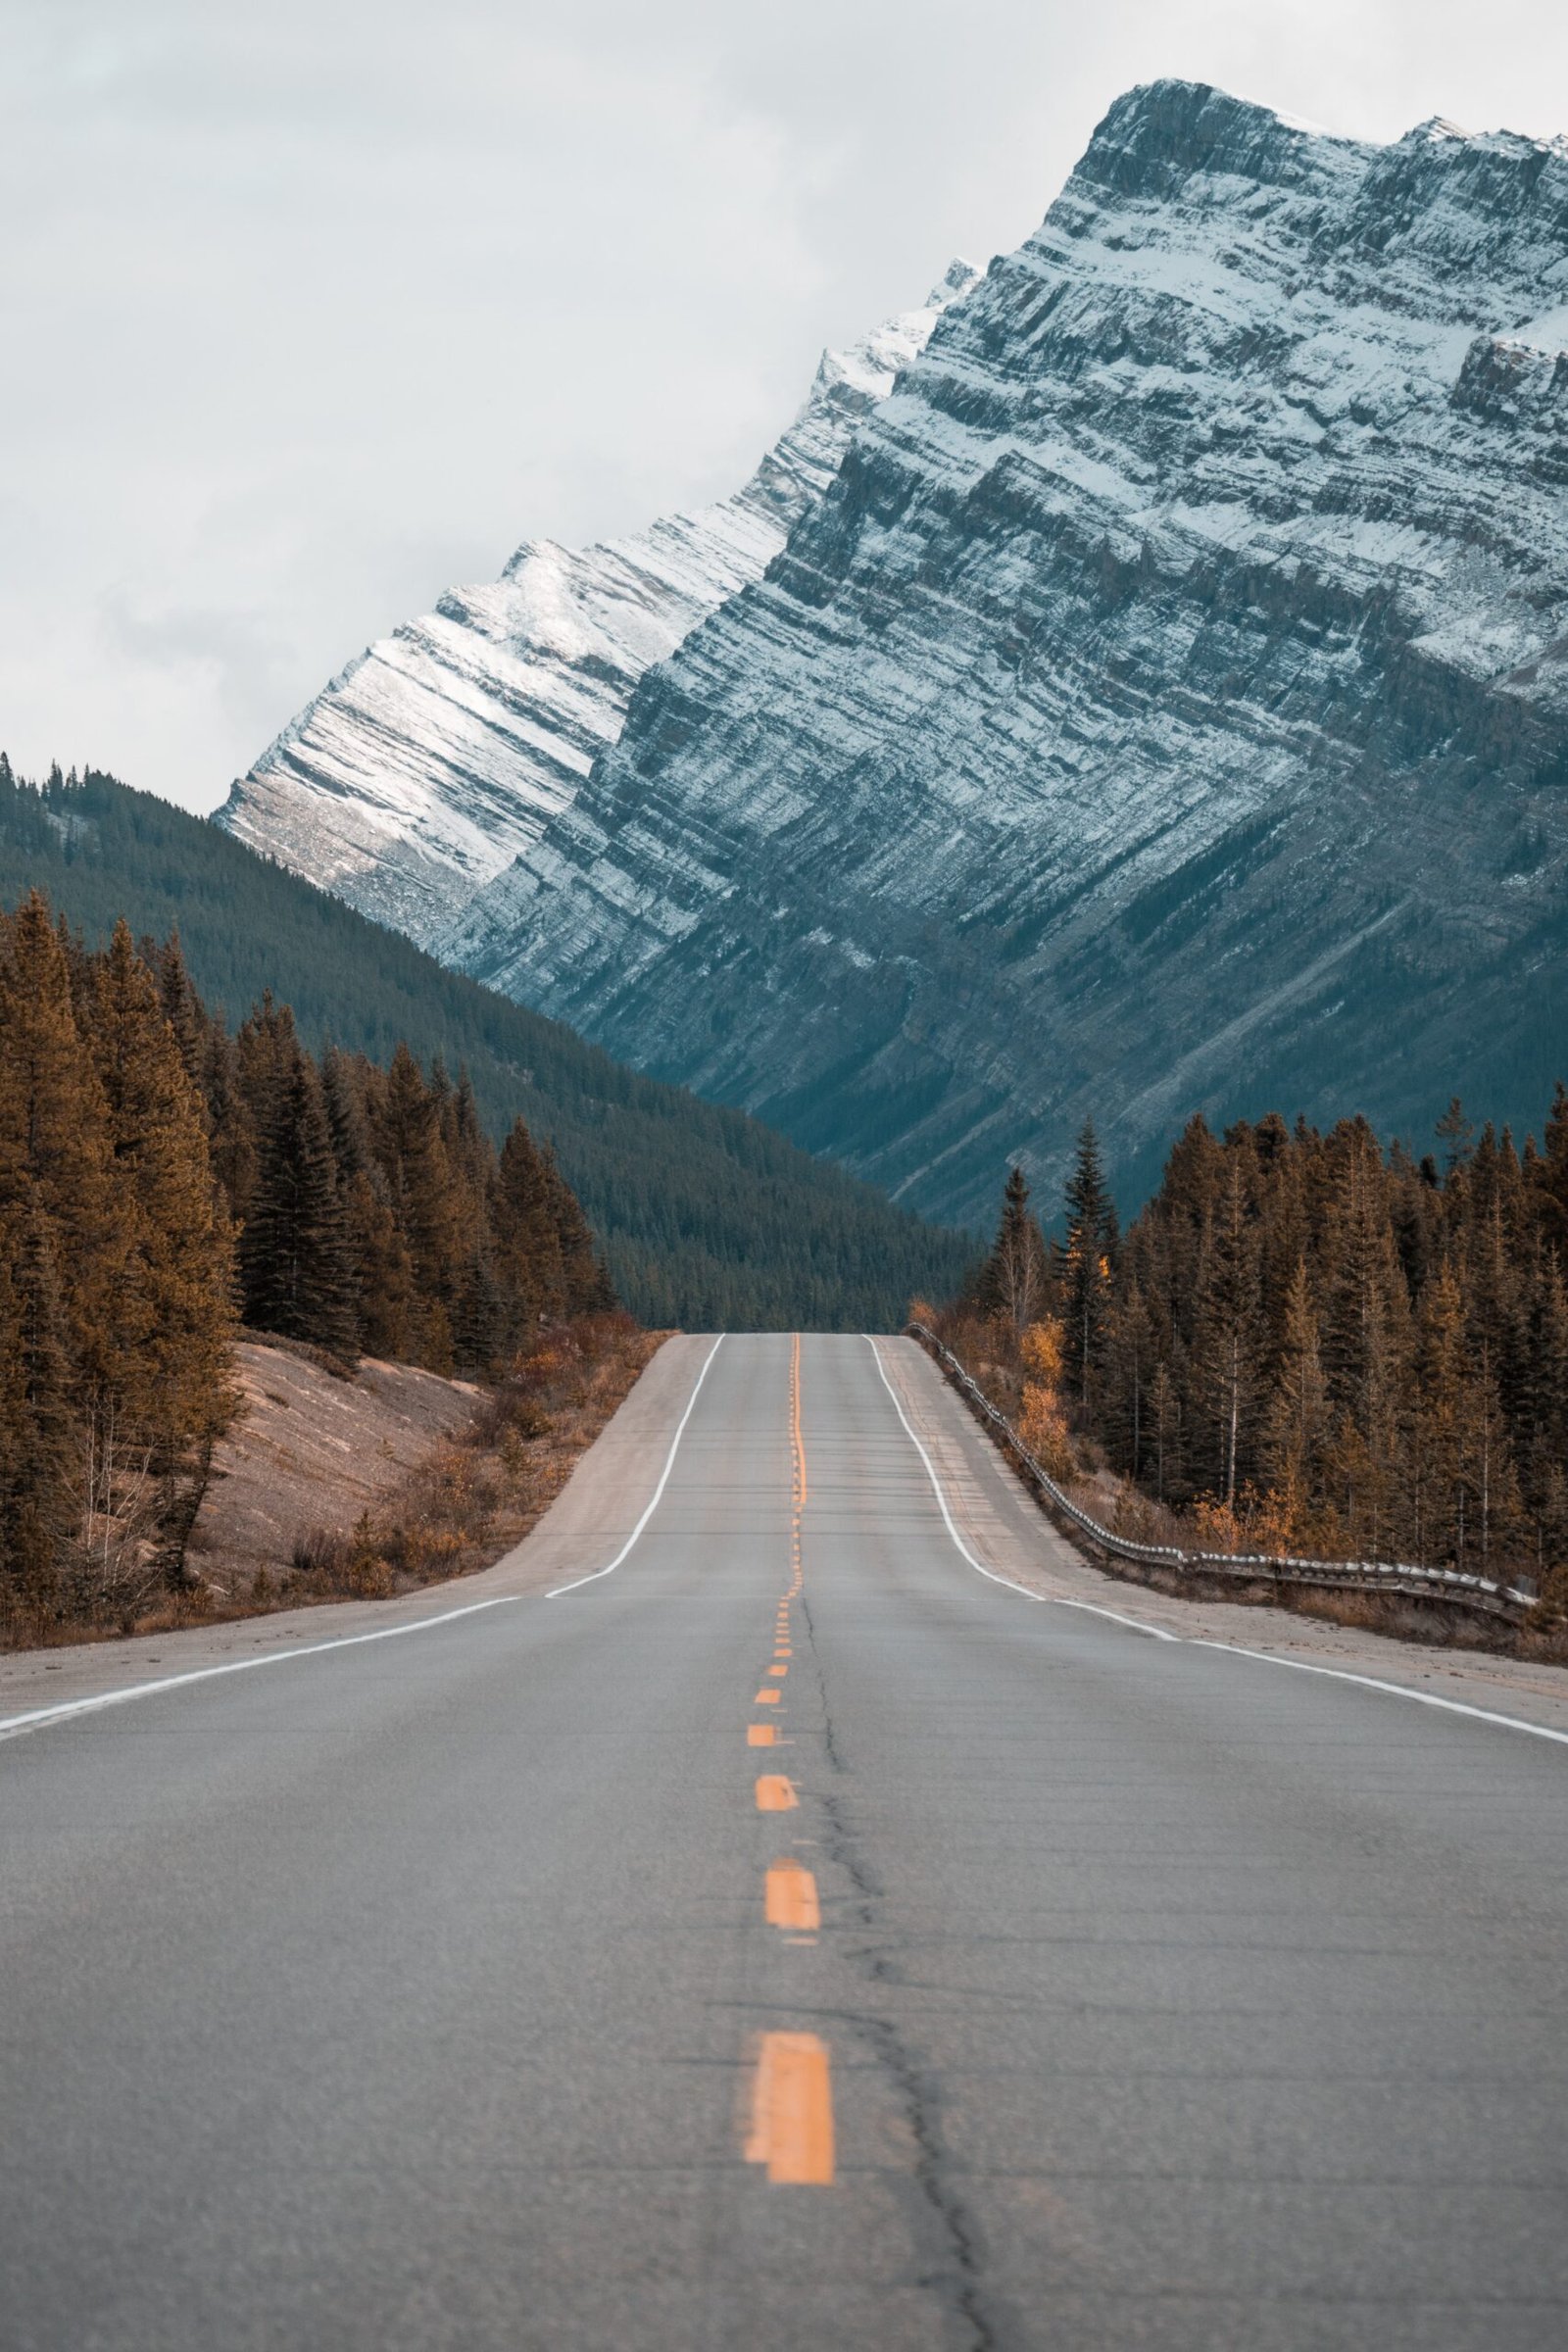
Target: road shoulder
x: 1008, y: 1532
x: 584, y: 1526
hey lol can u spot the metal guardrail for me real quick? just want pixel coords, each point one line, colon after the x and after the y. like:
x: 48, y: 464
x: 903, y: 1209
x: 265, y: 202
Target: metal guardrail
x: 1449, y: 1585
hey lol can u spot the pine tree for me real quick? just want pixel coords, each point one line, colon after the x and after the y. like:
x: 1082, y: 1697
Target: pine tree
x: 1296, y: 1418
x: 1012, y: 1281
x: 1131, y: 1354
x: 1454, y: 1132
x: 40, y: 1441
x: 1226, y: 1336
x: 583, y: 1274
x: 54, y: 1139
x: 1164, y: 1432
x: 425, y: 1201
x: 1086, y: 1274
x: 296, y: 1249
x: 183, y: 1008
x: 383, y: 1275
x: 1553, y: 1173
x: 527, y: 1242
x: 174, y: 1313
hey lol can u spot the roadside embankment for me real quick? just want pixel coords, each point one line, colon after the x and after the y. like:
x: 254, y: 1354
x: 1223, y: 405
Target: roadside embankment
x: 604, y: 1489
x: 338, y: 1481
x: 313, y: 1445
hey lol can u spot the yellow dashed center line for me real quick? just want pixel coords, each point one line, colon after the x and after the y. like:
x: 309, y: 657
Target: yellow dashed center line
x: 790, y: 2129
x: 792, y: 2110
x: 789, y: 1897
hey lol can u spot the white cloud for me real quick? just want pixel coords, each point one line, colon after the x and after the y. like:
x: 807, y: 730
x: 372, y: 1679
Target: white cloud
x: 314, y: 308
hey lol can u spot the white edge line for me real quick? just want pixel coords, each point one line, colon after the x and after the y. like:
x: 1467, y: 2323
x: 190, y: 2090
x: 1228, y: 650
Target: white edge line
x: 1370, y: 1682
x: 1050, y: 1599
x: 12, y: 1725
x: 1265, y: 1657
x: 663, y: 1478
x: 1236, y: 1649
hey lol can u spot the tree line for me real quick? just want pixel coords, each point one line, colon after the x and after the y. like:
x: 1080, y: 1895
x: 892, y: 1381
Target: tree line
x: 1310, y: 1342
x: 161, y: 1180
x: 708, y: 1218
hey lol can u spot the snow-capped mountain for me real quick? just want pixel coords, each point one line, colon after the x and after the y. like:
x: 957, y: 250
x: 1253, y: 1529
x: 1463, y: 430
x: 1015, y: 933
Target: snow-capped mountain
x: 425, y: 766
x: 1166, y: 705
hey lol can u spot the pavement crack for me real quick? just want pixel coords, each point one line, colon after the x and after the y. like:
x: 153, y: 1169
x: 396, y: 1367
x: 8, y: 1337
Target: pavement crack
x: 958, y: 2282
x: 830, y: 1744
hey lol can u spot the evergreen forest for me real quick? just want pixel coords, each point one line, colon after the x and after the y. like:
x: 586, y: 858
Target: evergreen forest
x: 160, y: 1179
x: 1305, y: 1343
x: 708, y: 1218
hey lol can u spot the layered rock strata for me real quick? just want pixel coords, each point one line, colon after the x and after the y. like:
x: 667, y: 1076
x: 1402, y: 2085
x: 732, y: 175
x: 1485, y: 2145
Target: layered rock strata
x: 1165, y: 705
x: 439, y: 754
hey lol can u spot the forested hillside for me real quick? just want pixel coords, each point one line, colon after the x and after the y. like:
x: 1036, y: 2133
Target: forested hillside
x: 158, y: 1176
x: 706, y: 1217
x: 1311, y: 1343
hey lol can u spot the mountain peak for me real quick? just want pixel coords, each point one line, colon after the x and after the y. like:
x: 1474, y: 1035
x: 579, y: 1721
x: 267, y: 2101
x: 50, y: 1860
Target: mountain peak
x: 1159, y: 134
x: 1173, y: 673
x: 427, y: 764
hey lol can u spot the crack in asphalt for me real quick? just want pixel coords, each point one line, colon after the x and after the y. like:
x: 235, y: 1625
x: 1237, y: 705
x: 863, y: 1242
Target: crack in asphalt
x: 957, y: 2281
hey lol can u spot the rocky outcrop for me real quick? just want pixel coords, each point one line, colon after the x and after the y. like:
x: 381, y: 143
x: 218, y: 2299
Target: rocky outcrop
x: 440, y: 754
x: 1165, y: 705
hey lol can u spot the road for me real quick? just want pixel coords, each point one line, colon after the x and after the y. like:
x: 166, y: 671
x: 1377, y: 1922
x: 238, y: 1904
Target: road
x: 1042, y: 1981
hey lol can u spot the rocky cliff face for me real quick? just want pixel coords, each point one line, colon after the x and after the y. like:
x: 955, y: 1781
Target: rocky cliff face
x: 436, y: 757
x: 1165, y: 705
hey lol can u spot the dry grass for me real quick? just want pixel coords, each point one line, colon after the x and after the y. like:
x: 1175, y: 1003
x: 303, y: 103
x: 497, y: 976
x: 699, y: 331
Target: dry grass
x: 472, y: 1501
x: 462, y: 1508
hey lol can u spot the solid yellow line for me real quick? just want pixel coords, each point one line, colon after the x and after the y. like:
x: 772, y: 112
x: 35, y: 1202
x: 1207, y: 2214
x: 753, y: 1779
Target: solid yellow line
x: 792, y: 2110
x: 775, y: 1793
x: 789, y: 1896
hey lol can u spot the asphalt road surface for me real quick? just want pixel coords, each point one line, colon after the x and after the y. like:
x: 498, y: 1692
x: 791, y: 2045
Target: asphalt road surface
x: 1039, y: 1982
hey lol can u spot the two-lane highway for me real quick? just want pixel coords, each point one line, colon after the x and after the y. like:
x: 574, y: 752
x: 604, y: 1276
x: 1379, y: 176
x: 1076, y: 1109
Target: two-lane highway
x: 791, y: 1935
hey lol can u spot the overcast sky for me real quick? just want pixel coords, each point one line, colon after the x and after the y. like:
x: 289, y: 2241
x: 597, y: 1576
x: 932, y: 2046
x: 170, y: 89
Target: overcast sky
x: 313, y: 306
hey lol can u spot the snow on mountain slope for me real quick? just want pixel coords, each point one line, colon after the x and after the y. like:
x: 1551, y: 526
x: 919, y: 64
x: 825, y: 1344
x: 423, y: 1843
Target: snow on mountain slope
x: 438, y: 754
x: 1165, y: 707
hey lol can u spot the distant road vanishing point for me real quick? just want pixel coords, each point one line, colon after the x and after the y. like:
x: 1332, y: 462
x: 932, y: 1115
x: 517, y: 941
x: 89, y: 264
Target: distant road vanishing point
x: 790, y: 1902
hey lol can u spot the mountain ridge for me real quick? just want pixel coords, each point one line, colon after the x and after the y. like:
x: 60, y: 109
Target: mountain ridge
x: 1164, y: 708
x: 433, y: 757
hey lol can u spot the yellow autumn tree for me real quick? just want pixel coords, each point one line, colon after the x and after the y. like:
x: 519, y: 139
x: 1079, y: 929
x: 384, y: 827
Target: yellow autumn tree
x: 1042, y: 1421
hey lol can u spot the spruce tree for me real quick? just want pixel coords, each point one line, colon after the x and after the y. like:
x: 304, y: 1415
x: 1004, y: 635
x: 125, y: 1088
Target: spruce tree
x: 296, y: 1249
x: 174, y: 1313
x: 527, y: 1240
x: 41, y: 1499
x: 426, y: 1201
x: 1296, y: 1415
x: 1226, y: 1334
x: 1014, y: 1278
x: 54, y: 1139
x: 1090, y: 1221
